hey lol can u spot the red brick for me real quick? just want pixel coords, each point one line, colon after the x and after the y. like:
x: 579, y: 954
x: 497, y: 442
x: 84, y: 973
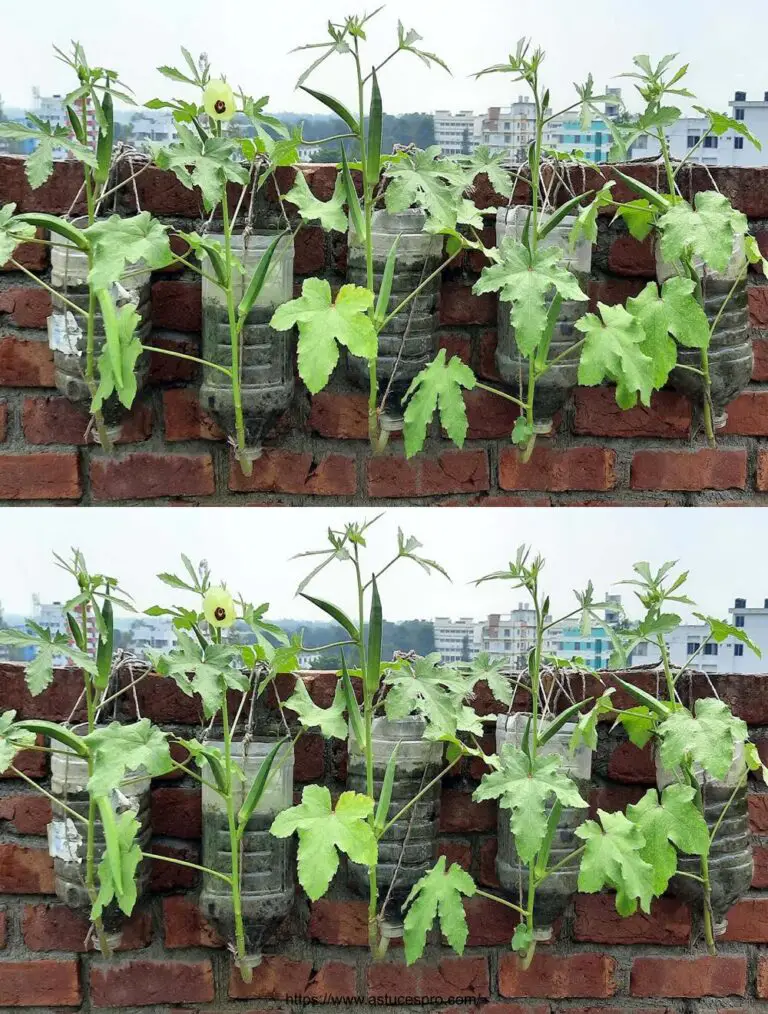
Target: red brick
x: 762, y: 471
x: 309, y: 251
x: 342, y: 923
x: 487, y: 873
x: 597, y: 922
x: 55, y: 420
x: 748, y: 921
x: 55, y: 703
x: 25, y: 363
x: 746, y: 697
x: 689, y: 470
x: 748, y: 415
x: 451, y: 472
x: 278, y: 471
x: 186, y: 926
x: 309, y: 758
x: 55, y: 196
x: 589, y: 468
x: 459, y: 852
x: 487, y: 365
x: 460, y: 814
x: 60, y: 928
x: 40, y: 983
x: 760, y: 352
x: 32, y: 256
x: 627, y: 256
x: 760, y: 861
x: 161, y: 193
x: 3, y: 930
x: 142, y: 476
x: 177, y: 305
x: 762, y: 978
x: 511, y: 1008
x: 279, y: 977
x: 3, y: 421
x: 39, y: 477
x: 598, y: 415
x: 489, y: 416
x: 631, y: 765
x: 25, y: 871
x: 459, y: 306
x: 558, y: 977
x: 758, y: 305
x: 29, y: 762
x: 171, y: 876
x: 169, y: 369
x: 339, y: 416
x: 490, y: 924
x: 455, y: 344
x: 613, y: 797
x: 688, y: 977
x: 176, y: 812
x: 452, y: 977
x: 143, y: 983
x: 185, y: 418
x: 27, y: 307
x: 28, y: 814
x: 613, y: 291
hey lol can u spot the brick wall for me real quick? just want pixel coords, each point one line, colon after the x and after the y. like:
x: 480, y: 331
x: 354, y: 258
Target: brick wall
x: 171, y: 451
x: 171, y: 960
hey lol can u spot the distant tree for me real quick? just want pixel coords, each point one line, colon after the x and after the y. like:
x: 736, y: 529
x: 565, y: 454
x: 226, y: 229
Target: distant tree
x: 466, y: 147
x: 465, y: 655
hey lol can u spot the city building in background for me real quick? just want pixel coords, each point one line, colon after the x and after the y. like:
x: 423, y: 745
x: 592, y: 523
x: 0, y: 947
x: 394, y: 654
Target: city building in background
x: 455, y: 639
x: 594, y: 142
x: 456, y: 133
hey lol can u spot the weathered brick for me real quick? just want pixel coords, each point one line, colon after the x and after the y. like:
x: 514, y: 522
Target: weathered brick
x: 26, y: 307
x: 280, y: 977
x: 185, y: 418
x: 40, y: 476
x: 451, y: 472
x: 55, y: 420
x: 55, y: 196
x: 598, y: 415
x: 25, y: 870
x: 309, y: 251
x: 176, y: 812
x: 142, y: 476
x: 144, y: 983
x: 279, y: 471
x: 170, y: 876
x: 459, y: 852
x: 40, y: 983
x: 343, y: 923
x: 489, y: 416
x: 760, y: 353
x: 25, y: 363
x: 632, y: 765
x: 489, y: 924
x: 452, y: 977
x: 760, y: 861
x: 60, y: 928
x: 588, y: 468
x: 758, y: 305
x: 3, y: 930
x: 32, y: 256
x: 632, y: 258
x: 309, y: 758
x: 689, y: 977
x: 459, y: 306
x: 177, y: 305
x: 455, y: 344
x: 3, y: 421
x: 339, y: 416
x: 487, y: 874
x: 459, y: 813
x: 597, y: 921
x: 559, y: 977
x: 689, y: 470
x: 748, y: 921
x: 748, y: 415
x: 170, y: 369
x: 27, y: 814
x: 186, y: 926
x: 56, y: 703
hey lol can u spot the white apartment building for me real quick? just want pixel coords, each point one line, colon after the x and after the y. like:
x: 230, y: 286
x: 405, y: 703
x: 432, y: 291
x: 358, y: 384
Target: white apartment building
x: 456, y: 133
x: 511, y: 129
x: 155, y: 632
x: 455, y: 639
x: 52, y: 109
x: 730, y: 149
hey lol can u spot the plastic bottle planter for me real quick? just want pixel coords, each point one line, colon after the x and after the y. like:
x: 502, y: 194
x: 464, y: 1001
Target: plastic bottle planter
x: 67, y: 333
x: 67, y: 840
x: 730, y: 857
x: 406, y: 344
x: 407, y: 850
x: 730, y: 351
x: 554, y: 894
x: 267, y: 882
x: 554, y: 387
x: 266, y: 356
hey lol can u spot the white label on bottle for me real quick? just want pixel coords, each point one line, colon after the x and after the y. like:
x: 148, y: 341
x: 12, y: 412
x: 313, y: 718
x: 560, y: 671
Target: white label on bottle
x: 64, y: 333
x: 64, y: 840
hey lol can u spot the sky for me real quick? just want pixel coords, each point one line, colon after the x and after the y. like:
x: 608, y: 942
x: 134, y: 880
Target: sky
x: 726, y: 552
x: 249, y: 41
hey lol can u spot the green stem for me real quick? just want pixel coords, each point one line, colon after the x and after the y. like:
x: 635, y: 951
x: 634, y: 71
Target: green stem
x: 191, y: 359
x: 90, y: 844
x: 237, y: 401
x: 501, y: 901
x: 501, y: 394
x: 422, y: 792
x: 44, y: 285
x: 422, y: 285
x: 190, y: 866
x: 61, y: 806
x: 234, y: 845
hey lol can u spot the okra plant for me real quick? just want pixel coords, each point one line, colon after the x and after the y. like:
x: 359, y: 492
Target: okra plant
x: 691, y: 742
x: 109, y: 244
x: 109, y: 751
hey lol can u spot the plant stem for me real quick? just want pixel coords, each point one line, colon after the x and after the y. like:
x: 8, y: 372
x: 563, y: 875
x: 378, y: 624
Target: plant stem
x: 62, y: 806
x: 192, y: 359
x: 234, y: 844
x: 44, y: 285
x: 191, y: 866
x: 422, y: 285
x: 418, y: 796
x: 501, y: 901
x: 234, y: 336
x: 90, y: 869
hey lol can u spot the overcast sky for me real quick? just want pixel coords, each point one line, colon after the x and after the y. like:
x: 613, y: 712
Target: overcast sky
x: 249, y: 42
x: 726, y: 552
